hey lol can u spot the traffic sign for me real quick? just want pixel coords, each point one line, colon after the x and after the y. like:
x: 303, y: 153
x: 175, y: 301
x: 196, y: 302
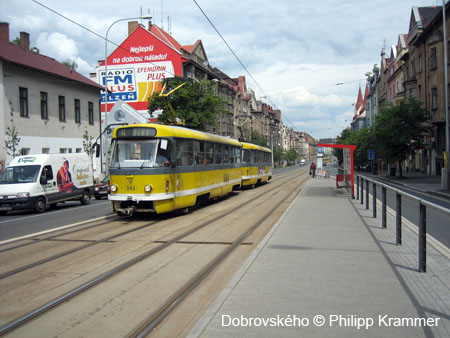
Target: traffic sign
x: 371, y: 154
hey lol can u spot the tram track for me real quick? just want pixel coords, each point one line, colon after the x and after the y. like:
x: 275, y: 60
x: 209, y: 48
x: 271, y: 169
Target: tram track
x: 68, y: 252
x: 112, y: 272
x: 160, y: 314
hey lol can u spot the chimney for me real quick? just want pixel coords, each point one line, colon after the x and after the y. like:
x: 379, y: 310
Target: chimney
x: 150, y: 24
x: 132, y: 26
x: 4, y: 31
x: 25, y: 40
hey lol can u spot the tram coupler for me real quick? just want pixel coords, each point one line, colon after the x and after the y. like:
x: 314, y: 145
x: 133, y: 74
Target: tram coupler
x: 129, y: 211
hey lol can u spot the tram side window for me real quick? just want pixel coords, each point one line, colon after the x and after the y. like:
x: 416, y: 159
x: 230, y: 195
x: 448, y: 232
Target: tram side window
x: 246, y: 156
x: 218, y: 153
x: 260, y: 157
x: 209, y: 153
x: 163, y: 154
x: 237, y: 154
x: 199, y: 151
x: 226, y: 153
x: 185, y: 152
x: 268, y: 157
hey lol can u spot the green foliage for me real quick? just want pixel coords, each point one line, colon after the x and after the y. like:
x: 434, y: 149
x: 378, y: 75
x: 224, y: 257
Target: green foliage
x: 398, y: 129
x: 87, y: 143
x: 395, y: 133
x: 12, y: 140
x: 291, y: 155
x: 195, y: 103
x: 259, y: 139
x: 71, y: 64
x: 278, y: 154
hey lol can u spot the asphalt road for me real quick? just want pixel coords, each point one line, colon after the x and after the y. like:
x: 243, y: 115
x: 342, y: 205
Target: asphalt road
x: 23, y: 223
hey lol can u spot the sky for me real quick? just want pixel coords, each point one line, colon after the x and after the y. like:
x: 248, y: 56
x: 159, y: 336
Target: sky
x: 306, y: 58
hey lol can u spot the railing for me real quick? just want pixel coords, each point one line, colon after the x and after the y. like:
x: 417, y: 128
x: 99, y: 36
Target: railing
x: 423, y: 205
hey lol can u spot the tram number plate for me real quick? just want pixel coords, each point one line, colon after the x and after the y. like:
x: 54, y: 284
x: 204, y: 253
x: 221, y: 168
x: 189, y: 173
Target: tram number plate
x: 131, y: 188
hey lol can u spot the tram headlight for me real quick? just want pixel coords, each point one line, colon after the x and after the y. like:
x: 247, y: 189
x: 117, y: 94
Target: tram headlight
x: 113, y: 188
x: 148, y: 188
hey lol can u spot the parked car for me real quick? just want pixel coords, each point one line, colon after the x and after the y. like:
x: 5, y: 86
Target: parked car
x: 303, y: 162
x: 102, y: 189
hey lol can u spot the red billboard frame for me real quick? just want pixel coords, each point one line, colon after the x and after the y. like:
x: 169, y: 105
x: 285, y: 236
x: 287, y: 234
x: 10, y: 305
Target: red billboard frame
x: 352, y: 149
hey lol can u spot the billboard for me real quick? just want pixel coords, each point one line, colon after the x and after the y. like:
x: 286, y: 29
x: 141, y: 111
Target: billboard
x: 135, y: 69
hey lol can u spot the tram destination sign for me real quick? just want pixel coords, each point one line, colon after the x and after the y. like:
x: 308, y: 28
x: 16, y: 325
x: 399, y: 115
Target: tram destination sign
x: 136, y: 132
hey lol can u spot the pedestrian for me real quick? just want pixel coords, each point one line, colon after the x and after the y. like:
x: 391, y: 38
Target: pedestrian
x: 312, y: 169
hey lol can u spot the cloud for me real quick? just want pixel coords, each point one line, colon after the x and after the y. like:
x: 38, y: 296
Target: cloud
x: 62, y: 48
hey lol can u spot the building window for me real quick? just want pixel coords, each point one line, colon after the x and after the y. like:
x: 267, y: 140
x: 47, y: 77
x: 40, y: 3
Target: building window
x: 62, y: 150
x: 24, y: 151
x: 419, y: 89
x: 433, y: 58
x: 91, y: 112
x: 23, y: 97
x: 44, y: 106
x: 434, y: 99
x: 45, y: 150
x: 77, y: 111
x: 420, y: 64
x: 78, y: 150
x: 62, y: 108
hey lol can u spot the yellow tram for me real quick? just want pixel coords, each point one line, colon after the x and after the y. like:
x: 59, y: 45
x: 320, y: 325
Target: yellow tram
x: 256, y: 164
x: 160, y: 168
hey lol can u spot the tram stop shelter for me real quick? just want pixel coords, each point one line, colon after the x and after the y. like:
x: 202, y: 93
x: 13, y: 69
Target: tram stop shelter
x: 349, y: 171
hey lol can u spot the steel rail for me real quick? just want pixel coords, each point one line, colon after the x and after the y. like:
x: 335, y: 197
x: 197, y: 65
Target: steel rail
x: 8, y: 327
x: 160, y: 314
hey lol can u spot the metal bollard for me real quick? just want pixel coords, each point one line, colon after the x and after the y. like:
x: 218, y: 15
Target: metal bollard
x: 398, y: 220
x: 367, y: 194
x: 374, y: 199
x: 423, y: 239
x: 357, y: 187
x: 383, y: 207
x: 362, y: 188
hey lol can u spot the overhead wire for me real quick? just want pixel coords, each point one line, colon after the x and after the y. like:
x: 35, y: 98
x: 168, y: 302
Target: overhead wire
x: 241, y: 63
x: 95, y: 33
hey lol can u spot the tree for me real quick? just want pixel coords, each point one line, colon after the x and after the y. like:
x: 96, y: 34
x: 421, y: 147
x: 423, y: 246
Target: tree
x: 278, y: 155
x: 258, y: 139
x: 12, y: 140
x: 398, y: 129
x: 70, y: 63
x: 291, y: 155
x: 87, y: 143
x: 195, y: 104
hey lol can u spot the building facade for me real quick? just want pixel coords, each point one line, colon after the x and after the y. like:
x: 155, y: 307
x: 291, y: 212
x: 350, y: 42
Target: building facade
x: 48, y: 104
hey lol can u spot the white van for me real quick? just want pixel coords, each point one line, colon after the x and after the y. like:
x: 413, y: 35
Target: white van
x: 35, y: 181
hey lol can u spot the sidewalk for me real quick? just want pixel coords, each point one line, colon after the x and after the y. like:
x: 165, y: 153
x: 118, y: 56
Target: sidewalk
x: 325, y: 270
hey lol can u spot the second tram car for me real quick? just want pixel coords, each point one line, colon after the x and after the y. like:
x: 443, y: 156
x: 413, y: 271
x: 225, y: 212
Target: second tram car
x: 256, y: 164
x: 160, y: 168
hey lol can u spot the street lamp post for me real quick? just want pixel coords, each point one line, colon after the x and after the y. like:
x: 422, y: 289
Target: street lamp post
x: 445, y: 175
x: 105, y: 77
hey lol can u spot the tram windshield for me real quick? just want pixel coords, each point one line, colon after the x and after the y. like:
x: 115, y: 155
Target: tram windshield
x: 141, y: 154
x: 20, y: 174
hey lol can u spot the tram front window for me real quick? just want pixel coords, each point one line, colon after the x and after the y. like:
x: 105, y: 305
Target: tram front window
x: 132, y: 154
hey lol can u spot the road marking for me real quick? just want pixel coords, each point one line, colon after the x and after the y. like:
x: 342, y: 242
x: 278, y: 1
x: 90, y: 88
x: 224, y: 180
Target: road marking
x: 52, y: 230
x: 50, y: 212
